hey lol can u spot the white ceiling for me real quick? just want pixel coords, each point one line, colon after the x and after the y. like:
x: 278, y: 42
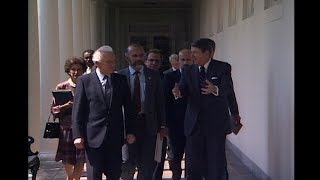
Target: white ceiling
x: 148, y: 3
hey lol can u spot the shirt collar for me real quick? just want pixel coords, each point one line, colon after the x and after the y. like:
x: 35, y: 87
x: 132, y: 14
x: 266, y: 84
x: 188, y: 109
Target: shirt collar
x: 100, y: 75
x: 206, y: 65
x: 132, y: 70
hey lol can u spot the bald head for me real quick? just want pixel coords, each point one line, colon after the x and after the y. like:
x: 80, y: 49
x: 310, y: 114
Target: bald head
x: 185, y: 57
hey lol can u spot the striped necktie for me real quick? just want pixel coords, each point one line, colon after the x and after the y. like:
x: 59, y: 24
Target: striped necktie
x: 202, y: 77
x: 107, y: 89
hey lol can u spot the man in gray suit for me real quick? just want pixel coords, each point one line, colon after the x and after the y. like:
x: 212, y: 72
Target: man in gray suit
x: 148, y: 99
x: 207, y: 84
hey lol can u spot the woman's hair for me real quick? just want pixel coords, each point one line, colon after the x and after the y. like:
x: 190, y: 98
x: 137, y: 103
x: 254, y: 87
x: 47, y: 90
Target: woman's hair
x: 74, y: 60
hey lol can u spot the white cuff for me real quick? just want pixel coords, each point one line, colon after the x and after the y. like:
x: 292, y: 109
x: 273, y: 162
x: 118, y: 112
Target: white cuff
x: 216, y: 93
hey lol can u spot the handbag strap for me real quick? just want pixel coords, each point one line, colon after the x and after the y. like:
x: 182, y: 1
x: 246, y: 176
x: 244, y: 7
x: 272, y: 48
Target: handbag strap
x: 54, y: 119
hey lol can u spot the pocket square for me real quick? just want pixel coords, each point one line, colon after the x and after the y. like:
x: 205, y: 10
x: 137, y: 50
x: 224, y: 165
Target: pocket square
x: 214, y: 77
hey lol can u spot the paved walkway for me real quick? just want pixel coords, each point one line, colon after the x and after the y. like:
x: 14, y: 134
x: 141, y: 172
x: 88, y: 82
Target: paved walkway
x: 51, y: 170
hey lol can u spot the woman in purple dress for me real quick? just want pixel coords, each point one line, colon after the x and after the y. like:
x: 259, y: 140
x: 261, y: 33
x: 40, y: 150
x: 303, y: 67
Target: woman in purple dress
x: 72, y: 158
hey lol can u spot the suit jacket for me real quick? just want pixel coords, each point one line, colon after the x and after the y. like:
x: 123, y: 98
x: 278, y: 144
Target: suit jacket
x: 154, y: 99
x: 210, y: 111
x: 232, y: 100
x: 175, y: 108
x: 92, y: 118
x: 168, y: 70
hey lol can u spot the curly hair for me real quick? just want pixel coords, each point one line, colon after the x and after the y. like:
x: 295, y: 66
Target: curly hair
x: 74, y: 60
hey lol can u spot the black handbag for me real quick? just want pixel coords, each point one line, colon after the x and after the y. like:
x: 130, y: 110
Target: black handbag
x: 52, y: 129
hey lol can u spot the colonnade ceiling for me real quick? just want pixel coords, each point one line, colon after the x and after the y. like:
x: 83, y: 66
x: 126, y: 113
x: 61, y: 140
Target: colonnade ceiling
x: 149, y: 3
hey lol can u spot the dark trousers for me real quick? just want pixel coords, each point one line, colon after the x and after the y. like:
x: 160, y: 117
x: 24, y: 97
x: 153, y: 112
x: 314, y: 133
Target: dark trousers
x: 139, y: 154
x: 176, y: 149
x: 207, y: 156
x: 158, y: 172
x: 104, y: 160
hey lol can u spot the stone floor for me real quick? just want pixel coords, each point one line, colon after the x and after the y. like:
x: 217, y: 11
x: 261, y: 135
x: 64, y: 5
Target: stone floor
x: 51, y: 170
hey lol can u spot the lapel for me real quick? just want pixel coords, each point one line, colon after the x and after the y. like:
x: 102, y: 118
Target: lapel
x: 114, y: 87
x: 212, y: 69
x: 195, y: 75
x: 97, y: 86
x: 148, y: 80
x: 177, y: 76
x: 128, y: 76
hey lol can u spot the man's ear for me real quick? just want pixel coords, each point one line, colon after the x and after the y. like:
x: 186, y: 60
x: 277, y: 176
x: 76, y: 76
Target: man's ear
x: 212, y: 54
x: 126, y: 55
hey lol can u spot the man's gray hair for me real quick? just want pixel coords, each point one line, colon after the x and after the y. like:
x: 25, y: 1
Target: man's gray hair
x: 97, y: 54
x: 173, y: 56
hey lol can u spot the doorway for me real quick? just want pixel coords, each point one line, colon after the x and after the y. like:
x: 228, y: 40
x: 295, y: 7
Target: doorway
x: 158, y: 41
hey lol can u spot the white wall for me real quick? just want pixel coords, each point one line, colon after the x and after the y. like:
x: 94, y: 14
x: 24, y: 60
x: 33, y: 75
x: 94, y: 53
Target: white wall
x: 261, y: 52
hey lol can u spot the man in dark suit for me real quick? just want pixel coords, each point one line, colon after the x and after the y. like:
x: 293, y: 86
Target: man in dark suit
x: 232, y: 100
x: 206, y: 84
x: 175, y: 114
x: 97, y: 116
x: 232, y: 104
x: 174, y: 62
x: 153, y: 61
x: 147, y: 96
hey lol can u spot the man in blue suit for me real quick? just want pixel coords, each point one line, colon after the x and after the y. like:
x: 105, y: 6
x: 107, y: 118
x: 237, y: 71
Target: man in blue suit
x: 148, y: 99
x: 206, y: 84
x: 97, y: 116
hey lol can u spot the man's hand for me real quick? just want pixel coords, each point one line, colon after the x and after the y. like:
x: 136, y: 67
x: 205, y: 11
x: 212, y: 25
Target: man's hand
x: 163, y: 132
x: 209, y: 88
x: 131, y: 138
x: 236, y: 118
x: 79, y: 143
x: 176, y: 91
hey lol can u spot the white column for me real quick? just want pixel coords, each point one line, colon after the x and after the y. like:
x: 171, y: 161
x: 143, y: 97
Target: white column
x: 86, y: 24
x: 93, y: 25
x: 107, y: 25
x: 99, y: 5
x: 49, y: 64
x: 77, y: 27
x: 65, y: 34
x: 34, y: 120
x: 103, y: 22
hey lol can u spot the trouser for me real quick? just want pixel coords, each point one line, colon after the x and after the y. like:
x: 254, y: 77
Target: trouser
x: 176, y: 149
x: 158, y: 172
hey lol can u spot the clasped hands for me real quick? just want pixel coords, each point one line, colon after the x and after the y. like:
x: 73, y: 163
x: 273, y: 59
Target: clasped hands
x: 209, y: 88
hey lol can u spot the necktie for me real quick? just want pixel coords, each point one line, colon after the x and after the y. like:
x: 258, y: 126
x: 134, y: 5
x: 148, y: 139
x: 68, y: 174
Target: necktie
x: 178, y: 75
x: 136, y: 92
x: 107, y: 89
x: 202, y: 78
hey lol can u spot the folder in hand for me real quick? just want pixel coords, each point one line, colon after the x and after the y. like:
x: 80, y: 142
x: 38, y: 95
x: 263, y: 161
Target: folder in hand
x: 62, y: 96
x: 158, y: 149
